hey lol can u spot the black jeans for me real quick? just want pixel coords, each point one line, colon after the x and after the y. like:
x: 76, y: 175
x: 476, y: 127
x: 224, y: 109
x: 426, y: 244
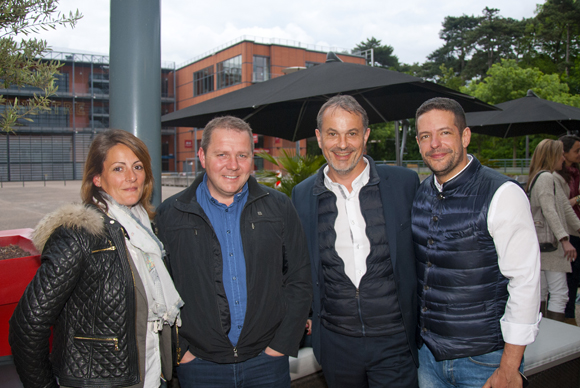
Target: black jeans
x: 573, y: 279
x: 367, y: 362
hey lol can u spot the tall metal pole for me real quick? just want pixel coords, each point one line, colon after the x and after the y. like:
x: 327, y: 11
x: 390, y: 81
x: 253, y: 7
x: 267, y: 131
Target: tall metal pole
x: 135, y: 76
x: 397, y: 155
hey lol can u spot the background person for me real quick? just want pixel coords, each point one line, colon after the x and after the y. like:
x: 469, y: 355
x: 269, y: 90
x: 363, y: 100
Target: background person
x: 477, y: 261
x: 357, y: 220
x: 102, y: 283
x: 571, y: 173
x: 238, y: 258
x: 553, y: 217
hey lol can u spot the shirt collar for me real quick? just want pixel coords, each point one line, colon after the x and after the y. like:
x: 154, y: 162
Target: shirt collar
x: 237, y: 198
x: 440, y: 185
x: 358, y: 182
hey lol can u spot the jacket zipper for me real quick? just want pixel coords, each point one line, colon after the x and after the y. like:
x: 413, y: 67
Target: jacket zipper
x: 135, y: 298
x: 357, y: 296
x: 111, y: 248
x: 177, y: 347
x: 113, y: 340
x: 235, y: 352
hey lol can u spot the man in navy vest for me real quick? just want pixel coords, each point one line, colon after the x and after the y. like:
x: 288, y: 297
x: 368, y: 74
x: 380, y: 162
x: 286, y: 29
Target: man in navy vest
x: 357, y: 219
x: 478, y: 261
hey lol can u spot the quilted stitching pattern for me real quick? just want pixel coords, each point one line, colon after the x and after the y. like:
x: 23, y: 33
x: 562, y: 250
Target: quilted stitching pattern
x: 83, y: 294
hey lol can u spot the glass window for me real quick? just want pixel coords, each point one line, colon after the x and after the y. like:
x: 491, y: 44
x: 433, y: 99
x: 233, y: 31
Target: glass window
x: 229, y: 72
x: 261, y: 70
x: 203, y: 81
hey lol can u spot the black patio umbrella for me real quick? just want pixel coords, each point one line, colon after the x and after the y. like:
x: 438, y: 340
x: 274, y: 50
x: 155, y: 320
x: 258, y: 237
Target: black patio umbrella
x: 287, y: 106
x: 528, y: 115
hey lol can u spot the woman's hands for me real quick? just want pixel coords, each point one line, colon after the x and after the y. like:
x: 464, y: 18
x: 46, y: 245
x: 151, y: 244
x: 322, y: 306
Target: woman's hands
x: 569, y: 250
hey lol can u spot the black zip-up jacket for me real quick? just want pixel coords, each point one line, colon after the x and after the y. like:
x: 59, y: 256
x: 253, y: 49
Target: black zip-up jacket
x: 85, y: 288
x: 277, y: 275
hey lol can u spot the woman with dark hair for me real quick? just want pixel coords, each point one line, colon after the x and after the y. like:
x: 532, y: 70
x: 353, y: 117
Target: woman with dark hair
x: 102, y: 284
x: 553, y: 219
x: 570, y: 173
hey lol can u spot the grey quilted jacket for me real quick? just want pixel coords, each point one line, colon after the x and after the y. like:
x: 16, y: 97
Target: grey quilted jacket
x: 85, y: 289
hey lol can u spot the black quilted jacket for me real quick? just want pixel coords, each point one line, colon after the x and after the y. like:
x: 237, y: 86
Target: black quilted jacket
x: 84, y: 288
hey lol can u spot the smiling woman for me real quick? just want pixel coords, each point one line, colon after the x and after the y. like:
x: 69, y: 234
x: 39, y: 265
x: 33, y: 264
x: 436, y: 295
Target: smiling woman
x: 102, y: 284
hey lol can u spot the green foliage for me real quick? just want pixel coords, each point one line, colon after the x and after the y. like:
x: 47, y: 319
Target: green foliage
x: 383, y: 54
x: 381, y: 143
x: 297, y: 168
x: 557, y: 26
x: 449, y: 78
x: 20, y: 61
x: 507, y: 81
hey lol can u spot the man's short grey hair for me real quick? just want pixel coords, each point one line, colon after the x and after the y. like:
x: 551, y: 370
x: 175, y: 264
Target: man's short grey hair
x: 225, y: 122
x: 346, y: 103
x: 445, y: 104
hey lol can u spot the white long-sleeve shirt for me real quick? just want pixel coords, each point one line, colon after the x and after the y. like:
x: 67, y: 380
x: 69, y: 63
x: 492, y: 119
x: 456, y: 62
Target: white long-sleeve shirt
x: 510, y: 223
x: 352, y: 243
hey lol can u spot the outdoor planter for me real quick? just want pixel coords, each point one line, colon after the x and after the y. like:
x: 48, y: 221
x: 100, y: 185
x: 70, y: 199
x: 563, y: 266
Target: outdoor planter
x: 15, y: 274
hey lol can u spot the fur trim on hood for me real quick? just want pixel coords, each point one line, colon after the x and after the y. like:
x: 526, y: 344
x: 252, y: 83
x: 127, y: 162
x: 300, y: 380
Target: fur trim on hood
x: 72, y: 216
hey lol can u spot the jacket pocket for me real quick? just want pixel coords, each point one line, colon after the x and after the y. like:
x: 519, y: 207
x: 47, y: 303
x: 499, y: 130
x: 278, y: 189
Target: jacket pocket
x: 99, y: 340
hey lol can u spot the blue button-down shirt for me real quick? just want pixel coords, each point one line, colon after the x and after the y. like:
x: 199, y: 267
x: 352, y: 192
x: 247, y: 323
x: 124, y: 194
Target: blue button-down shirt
x: 226, y: 224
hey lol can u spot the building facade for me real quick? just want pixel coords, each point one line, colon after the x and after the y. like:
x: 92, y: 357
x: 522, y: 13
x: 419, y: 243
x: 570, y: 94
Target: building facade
x: 55, y: 145
x: 237, y: 65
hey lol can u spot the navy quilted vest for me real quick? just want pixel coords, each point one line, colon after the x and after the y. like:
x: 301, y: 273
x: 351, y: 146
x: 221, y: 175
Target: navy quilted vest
x: 373, y: 308
x: 462, y: 293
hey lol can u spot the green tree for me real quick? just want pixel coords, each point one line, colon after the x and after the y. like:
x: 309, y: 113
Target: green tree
x: 458, y: 45
x: 381, y: 143
x: 494, y: 38
x: 507, y: 81
x: 383, y: 54
x: 20, y: 61
x: 557, y: 25
x: 450, y: 79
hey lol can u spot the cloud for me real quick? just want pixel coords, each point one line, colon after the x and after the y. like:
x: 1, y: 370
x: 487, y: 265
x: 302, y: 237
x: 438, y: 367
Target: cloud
x: 189, y: 29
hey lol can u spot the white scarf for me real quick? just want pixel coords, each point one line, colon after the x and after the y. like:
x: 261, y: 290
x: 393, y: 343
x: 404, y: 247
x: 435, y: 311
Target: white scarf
x: 162, y: 298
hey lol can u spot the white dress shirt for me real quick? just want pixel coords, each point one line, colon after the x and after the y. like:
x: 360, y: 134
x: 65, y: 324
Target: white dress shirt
x: 510, y: 224
x: 352, y: 244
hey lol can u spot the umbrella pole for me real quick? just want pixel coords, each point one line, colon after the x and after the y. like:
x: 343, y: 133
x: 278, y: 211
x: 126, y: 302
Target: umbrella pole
x: 398, y: 158
x: 404, y: 139
x: 298, y: 124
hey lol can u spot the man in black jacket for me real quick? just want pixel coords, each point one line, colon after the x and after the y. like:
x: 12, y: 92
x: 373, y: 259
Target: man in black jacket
x: 238, y: 259
x: 357, y: 217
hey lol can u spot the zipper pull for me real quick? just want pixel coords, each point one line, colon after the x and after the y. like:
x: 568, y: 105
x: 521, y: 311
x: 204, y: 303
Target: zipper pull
x: 356, y: 295
x: 235, y: 352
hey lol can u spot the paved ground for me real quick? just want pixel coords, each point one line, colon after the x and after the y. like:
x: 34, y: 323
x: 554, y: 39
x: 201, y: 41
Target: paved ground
x: 23, y: 207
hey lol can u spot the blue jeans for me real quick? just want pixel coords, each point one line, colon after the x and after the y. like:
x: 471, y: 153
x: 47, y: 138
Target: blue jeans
x: 261, y: 371
x: 468, y: 372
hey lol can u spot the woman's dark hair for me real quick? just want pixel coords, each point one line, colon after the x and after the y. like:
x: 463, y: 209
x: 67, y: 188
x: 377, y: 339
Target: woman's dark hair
x: 102, y: 143
x: 568, y: 141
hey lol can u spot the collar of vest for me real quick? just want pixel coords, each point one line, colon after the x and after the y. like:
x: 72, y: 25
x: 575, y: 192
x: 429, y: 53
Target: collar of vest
x: 460, y: 179
x: 320, y: 188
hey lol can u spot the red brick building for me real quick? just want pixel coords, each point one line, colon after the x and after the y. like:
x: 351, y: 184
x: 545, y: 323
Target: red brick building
x: 233, y: 67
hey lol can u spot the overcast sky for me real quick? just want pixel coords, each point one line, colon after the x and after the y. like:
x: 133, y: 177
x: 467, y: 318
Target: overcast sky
x: 191, y: 28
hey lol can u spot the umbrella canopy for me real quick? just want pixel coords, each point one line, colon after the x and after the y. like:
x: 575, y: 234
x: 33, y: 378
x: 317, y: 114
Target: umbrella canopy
x: 287, y: 106
x: 526, y: 116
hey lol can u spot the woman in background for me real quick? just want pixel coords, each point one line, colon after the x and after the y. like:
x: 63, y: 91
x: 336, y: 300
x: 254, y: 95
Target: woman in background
x: 553, y: 218
x: 102, y: 283
x: 570, y: 172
